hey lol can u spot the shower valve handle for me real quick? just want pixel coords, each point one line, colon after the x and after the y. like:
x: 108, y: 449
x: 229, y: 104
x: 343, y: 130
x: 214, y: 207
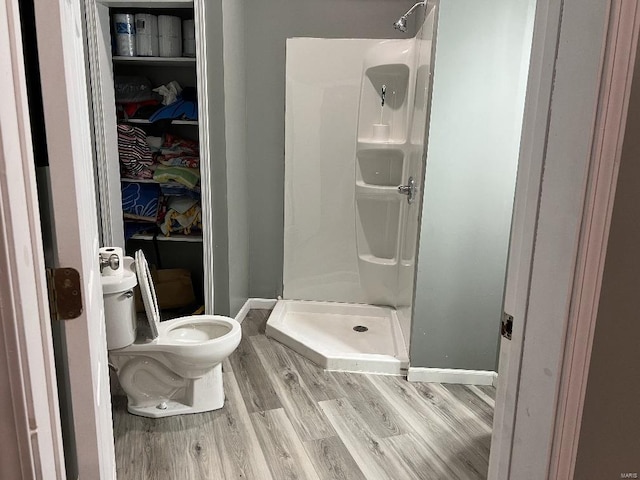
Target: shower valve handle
x: 409, y: 190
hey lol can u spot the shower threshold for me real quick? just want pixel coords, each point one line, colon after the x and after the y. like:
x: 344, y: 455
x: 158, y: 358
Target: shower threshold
x: 341, y: 336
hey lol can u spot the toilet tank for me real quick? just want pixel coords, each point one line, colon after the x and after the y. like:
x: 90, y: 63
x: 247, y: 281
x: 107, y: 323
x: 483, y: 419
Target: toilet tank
x: 119, y: 306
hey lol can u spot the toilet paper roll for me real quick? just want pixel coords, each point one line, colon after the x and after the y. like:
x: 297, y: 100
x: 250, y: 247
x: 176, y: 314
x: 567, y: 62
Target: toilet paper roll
x: 189, y: 38
x: 147, y: 35
x: 169, y: 36
x: 170, y: 46
x: 381, y: 132
x: 124, y: 29
x: 113, y: 260
x: 188, y: 29
x: 169, y: 26
x: 189, y: 47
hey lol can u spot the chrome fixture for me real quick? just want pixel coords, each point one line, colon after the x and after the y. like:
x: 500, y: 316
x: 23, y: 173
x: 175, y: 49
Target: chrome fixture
x: 409, y: 190
x: 112, y: 262
x: 401, y: 24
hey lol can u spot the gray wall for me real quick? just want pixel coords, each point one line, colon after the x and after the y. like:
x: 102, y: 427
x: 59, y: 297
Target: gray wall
x: 609, y: 441
x: 236, y: 155
x: 481, y: 64
x: 267, y: 26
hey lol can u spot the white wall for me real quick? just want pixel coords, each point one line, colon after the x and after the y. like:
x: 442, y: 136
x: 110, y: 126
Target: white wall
x: 323, y: 90
x: 477, y: 106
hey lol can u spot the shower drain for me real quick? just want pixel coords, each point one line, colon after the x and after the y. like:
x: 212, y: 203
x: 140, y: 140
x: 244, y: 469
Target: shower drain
x: 360, y: 328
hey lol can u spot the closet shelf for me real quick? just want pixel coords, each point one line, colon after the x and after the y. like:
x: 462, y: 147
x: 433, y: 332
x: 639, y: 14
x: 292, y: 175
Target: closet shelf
x: 151, y: 180
x: 146, y: 121
x: 172, y: 238
x: 149, y: 3
x: 156, y: 61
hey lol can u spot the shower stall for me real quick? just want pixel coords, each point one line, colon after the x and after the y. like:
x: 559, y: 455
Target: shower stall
x: 356, y: 118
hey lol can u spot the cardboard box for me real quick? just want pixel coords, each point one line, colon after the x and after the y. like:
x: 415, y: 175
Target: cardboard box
x: 174, y: 289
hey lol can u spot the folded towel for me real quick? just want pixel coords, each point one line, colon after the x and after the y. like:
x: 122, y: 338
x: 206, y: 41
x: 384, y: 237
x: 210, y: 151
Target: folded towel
x: 140, y: 201
x: 181, y: 204
x: 175, y: 189
x: 176, y: 222
x: 179, y: 109
x: 189, y: 177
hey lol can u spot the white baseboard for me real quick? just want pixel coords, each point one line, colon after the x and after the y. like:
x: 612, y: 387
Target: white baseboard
x: 255, y: 303
x: 451, y: 375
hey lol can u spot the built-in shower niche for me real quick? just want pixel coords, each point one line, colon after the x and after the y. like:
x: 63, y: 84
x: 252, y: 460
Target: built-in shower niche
x: 384, y: 105
x: 378, y: 234
x: 379, y: 167
x: 378, y: 229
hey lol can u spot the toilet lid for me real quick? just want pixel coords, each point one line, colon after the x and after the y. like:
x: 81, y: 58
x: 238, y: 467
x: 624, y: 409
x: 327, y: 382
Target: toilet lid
x: 148, y: 292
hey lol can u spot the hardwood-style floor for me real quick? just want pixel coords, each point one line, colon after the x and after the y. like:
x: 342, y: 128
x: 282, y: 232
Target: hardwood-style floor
x: 285, y: 418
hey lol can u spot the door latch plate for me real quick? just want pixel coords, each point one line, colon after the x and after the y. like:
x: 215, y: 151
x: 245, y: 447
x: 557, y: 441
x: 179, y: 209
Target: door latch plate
x: 507, y: 325
x: 65, y: 294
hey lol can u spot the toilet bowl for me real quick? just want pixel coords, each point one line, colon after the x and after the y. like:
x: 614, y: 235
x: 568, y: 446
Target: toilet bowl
x: 175, y: 370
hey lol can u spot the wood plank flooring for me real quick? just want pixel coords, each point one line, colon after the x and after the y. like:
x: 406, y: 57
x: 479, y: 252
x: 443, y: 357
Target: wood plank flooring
x: 287, y: 419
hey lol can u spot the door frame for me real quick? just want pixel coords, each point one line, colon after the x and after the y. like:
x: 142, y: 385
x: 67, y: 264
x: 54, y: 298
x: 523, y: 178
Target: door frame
x: 617, y: 76
x: 30, y: 416
x: 100, y: 68
x: 582, y: 63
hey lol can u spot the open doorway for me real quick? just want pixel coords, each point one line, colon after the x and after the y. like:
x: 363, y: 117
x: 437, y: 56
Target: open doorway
x: 248, y: 324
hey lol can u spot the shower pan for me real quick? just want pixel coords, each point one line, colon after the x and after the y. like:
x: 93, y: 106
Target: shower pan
x: 355, y: 142
x: 341, y: 336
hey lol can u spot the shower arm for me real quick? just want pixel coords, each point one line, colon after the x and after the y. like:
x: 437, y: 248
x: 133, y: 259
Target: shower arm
x: 416, y: 5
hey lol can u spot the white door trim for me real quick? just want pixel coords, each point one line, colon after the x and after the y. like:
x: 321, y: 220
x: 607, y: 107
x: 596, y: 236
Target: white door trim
x: 105, y: 135
x: 619, y: 60
x: 206, y: 175
x: 30, y: 418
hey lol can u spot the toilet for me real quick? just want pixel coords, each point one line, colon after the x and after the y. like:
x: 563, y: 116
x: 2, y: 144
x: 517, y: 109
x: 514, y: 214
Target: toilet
x: 178, y: 368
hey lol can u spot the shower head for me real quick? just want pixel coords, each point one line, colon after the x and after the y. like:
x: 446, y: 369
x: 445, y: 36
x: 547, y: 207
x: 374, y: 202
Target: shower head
x: 401, y: 24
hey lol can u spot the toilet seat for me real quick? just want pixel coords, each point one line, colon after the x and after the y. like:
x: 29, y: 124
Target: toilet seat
x: 184, y: 332
x: 148, y: 292
x: 188, y: 345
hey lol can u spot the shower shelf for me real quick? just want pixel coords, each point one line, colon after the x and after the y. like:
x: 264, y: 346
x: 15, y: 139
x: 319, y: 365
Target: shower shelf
x: 368, y: 190
x: 390, y: 262
x: 370, y: 144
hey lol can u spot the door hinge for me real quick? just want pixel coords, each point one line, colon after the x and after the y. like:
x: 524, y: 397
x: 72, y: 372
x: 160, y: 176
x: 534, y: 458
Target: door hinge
x: 507, y: 325
x: 65, y: 294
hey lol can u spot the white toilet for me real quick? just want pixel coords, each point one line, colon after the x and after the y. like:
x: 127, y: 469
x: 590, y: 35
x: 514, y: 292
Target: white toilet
x: 176, y: 370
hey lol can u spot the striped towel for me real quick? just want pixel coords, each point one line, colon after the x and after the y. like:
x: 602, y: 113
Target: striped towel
x: 133, y: 150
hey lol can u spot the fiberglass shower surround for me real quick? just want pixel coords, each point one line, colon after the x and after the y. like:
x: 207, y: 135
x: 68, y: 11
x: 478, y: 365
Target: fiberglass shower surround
x: 355, y: 129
